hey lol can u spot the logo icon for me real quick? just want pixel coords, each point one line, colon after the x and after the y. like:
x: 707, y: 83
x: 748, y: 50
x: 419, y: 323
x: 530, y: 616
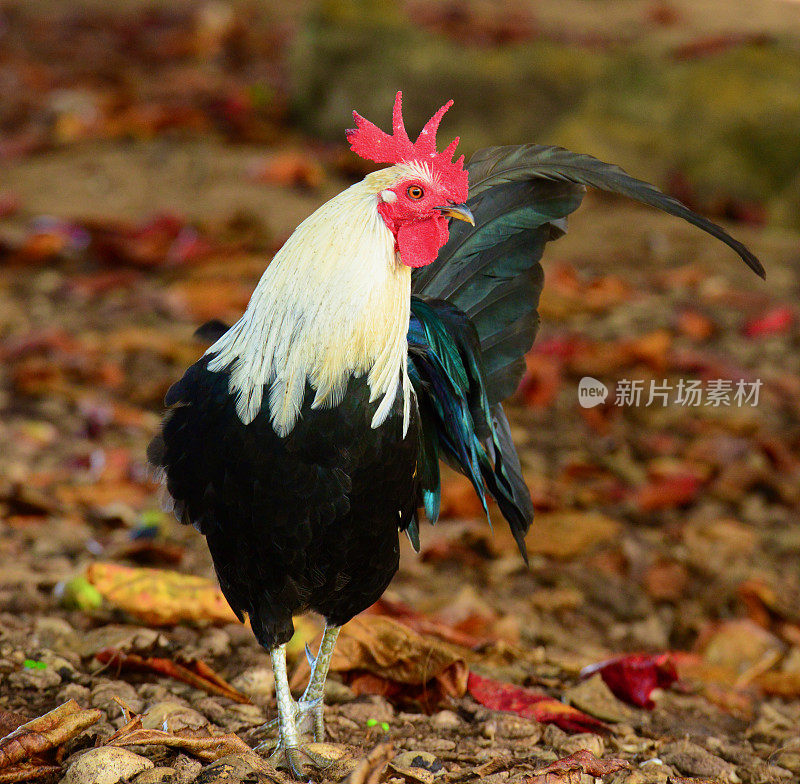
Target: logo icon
x: 591, y: 392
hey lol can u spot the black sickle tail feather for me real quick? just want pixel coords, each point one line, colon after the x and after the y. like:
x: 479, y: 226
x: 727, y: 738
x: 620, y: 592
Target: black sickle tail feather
x: 520, y: 197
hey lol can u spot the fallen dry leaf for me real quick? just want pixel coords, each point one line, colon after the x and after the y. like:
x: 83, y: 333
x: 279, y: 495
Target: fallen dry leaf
x: 569, y: 533
x: 581, y: 762
x: 195, y: 673
x: 774, y: 322
x: 46, y: 732
x: 668, y: 492
x: 507, y: 697
x: 27, y: 772
x: 423, y: 624
x: 159, y: 597
x: 542, y: 380
x: 382, y: 656
x: 207, y: 749
x: 633, y: 678
x: 291, y: 167
x: 370, y: 769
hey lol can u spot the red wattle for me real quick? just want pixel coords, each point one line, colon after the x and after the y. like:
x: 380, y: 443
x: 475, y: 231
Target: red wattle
x: 419, y: 241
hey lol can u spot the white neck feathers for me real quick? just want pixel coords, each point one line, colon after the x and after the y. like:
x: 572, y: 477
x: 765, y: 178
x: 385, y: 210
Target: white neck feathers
x: 333, y: 303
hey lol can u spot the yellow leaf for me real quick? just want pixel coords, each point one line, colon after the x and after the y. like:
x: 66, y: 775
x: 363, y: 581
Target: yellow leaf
x: 159, y: 597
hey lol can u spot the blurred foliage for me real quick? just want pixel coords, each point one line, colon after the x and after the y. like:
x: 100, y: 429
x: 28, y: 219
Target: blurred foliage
x: 725, y: 115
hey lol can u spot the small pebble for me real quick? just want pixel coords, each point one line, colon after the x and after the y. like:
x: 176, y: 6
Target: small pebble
x: 172, y: 716
x: 693, y: 760
x: 583, y: 740
x: 155, y: 776
x: 247, y: 715
x: 103, y: 697
x: 186, y: 769
x: 54, y: 633
x: 422, y: 765
x: 516, y: 727
x: 233, y: 768
x: 216, y: 641
x: 34, y: 679
x: 106, y: 765
x: 366, y: 708
x: 214, y: 712
x: 595, y: 698
x: 258, y: 683
x: 446, y: 720
x: 74, y: 691
x: 338, y: 693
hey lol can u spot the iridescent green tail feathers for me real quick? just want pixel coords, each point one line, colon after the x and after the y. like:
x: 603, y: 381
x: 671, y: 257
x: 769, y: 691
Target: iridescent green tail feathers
x: 458, y: 425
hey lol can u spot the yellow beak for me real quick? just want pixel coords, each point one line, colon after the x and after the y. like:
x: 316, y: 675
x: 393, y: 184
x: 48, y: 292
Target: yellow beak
x: 458, y: 211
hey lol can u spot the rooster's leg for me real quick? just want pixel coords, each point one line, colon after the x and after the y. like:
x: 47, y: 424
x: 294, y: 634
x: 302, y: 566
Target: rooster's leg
x: 311, y: 703
x: 287, y: 751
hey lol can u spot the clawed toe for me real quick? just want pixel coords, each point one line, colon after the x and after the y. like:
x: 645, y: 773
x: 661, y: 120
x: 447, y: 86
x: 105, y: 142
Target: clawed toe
x: 295, y: 759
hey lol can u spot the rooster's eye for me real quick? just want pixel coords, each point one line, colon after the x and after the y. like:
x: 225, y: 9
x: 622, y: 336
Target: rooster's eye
x: 415, y: 192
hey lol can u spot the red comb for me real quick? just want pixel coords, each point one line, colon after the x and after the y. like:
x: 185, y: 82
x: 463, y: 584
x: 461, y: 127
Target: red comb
x: 370, y: 142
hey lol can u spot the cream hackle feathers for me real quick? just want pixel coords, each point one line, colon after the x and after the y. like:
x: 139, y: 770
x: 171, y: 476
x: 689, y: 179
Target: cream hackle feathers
x: 333, y: 303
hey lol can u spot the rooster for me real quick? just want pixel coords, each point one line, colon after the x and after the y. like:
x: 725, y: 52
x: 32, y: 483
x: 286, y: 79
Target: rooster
x: 382, y: 338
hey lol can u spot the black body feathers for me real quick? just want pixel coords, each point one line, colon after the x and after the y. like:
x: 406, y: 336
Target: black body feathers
x: 308, y: 522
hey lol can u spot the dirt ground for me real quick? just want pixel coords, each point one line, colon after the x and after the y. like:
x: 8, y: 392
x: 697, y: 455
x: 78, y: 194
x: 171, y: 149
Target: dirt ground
x: 668, y: 531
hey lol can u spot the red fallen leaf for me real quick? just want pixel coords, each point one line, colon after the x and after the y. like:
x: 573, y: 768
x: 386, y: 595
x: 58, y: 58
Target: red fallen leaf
x: 195, y: 673
x: 667, y: 492
x: 582, y: 760
x: 9, y: 204
x: 562, y: 347
x: 774, y: 322
x: 751, y: 213
x: 499, y: 696
x: 663, y: 14
x: 714, y: 44
x: 633, y: 677
x: 541, y: 381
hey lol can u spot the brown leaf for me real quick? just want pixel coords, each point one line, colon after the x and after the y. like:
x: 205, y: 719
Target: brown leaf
x: 370, y: 769
x: 423, y: 624
x: 27, y: 772
x: 195, y: 673
x: 582, y: 761
x: 459, y: 500
x: 9, y: 721
x: 206, y: 749
x: 381, y: 656
x: 666, y: 581
x: 209, y: 298
x: 292, y: 167
x: 668, y: 492
x: 694, y: 325
x: 688, y: 780
x: 46, y: 732
x: 159, y: 597
x: 568, y: 534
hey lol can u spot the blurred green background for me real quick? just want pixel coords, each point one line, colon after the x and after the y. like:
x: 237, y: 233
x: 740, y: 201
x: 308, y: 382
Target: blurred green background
x: 700, y: 96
